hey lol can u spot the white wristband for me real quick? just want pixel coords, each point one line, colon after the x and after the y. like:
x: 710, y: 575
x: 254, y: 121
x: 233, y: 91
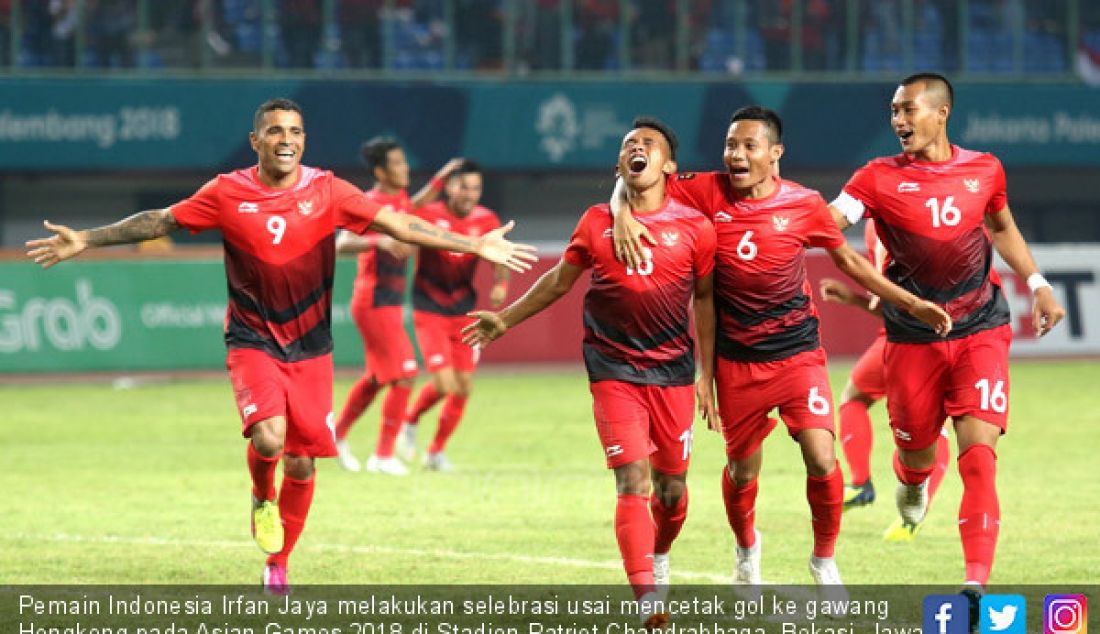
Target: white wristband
x: 1035, y: 281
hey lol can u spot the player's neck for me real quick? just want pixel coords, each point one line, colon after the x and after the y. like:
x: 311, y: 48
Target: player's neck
x: 937, y: 151
x: 763, y: 189
x: 386, y: 189
x: 649, y: 199
x: 278, y: 181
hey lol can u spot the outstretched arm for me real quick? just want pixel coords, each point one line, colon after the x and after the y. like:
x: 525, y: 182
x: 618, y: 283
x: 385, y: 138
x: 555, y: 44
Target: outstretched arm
x: 67, y: 243
x: 491, y: 246
x: 548, y: 289
x: 859, y: 269
x: 840, y: 293
x: 705, y: 328
x: 1046, y: 312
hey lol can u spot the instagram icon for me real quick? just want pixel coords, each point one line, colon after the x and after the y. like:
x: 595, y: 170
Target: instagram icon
x: 1065, y: 614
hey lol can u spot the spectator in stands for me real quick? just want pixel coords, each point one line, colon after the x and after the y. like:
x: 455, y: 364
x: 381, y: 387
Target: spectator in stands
x: 111, y: 25
x: 300, y: 22
x: 361, y: 32
x: 64, y: 22
x: 479, y: 32
x: 597, y: 21
x: 5, y: 32
x: 654, y: 34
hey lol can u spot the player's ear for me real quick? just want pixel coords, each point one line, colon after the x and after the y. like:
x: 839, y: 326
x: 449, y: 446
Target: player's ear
x: 670, y: 167
x: 776, y: 151
x: 254, y: 141
x: 944, y: 111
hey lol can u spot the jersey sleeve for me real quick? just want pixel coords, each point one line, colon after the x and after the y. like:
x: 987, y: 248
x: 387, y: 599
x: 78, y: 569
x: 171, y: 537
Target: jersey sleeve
x: 579, y: 251
x: 354, y: 210
x: 705, y: 250
x: 857, y: 199
x: 999, y: 199
x: 200, y: 212
x: 693, y: 189
x: 822, y: 230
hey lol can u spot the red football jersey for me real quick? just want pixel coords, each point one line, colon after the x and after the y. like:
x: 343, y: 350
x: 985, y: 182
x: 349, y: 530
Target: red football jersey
x: 444, y: 282
x: 636, y: 322
x: 765, y: 304
x: 931, y: 218
x: 380, y: 280
x: 279, y: 254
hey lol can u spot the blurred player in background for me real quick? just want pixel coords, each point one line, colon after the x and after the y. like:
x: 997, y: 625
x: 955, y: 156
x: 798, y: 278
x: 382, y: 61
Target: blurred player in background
x: 865, y: 387
x: 278, y: 221
x: 377, y: 307
x: 769, y: 350
x: 638, y: 352
x: 443, y: 292
x: 940, y: 210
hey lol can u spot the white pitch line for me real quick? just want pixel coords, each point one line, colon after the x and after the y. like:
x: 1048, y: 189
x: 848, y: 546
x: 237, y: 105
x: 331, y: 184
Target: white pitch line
x: 361, y: 550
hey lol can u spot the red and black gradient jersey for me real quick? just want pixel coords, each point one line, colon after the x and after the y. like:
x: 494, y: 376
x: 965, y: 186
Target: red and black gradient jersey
x: 931, y: 219
x: 636, y: 321
x: 765, y: 304
x: 380, y: 280
x: 279, y: 254
x: 444, y: 282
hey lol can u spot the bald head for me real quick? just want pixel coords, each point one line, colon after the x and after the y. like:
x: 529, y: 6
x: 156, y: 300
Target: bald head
x: 937, y: 90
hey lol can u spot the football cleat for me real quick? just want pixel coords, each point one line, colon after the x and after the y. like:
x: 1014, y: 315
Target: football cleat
x: 267, y: 526
x: 388, y: 466
x: 826, y: 575
x: 438, y: 462
x: 406, y: 442
x: 973, y: 593
x: 857, y: 495
x: 901, y: 531
x: 912, y: 501
x: 274, y: 580
x: 746, y: 571
x: 651, y: 612
x: 345, y: 458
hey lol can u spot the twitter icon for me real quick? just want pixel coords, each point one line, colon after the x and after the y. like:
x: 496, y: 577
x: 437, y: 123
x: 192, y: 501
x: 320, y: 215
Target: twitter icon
x: 1003, y: 614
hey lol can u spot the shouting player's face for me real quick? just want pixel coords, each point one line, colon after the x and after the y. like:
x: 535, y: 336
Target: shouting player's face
x: 463, y: 193
x: 918, y: 116
x: 279, y: 144
x: 396, y: 172
x: 750, y: 155
x: 644, y: 158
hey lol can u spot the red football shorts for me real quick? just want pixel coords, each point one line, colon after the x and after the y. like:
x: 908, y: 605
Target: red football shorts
x: 301, y: 391
x: 386, y: 347
x: 869, y: 374
x: 638, y: 421
x: 748, y: 391
x: 927, y: 382
x: 440, y: 341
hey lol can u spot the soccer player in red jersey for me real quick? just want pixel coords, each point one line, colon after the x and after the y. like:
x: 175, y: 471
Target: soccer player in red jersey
x: 377, y: 307
x: 278, y: 222
x: 865, y: 387
x: 769, y: 352
x: 940, y: 210
x: 443, y: 292
x: 637, y: 350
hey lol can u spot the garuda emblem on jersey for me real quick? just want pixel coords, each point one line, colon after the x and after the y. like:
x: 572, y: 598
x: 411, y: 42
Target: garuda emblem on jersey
x: 972, y: 185
x: 305, y: 207
x: 780, y: 222
x: 669, y: 238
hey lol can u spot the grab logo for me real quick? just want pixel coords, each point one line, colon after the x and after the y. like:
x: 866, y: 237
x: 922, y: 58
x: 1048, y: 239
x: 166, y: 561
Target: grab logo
x: 62, y: 323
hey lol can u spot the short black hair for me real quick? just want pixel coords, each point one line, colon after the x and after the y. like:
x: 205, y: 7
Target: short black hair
x: 646, y: 121
x: 279, y: 103
x: 375, y: 152
x: 466, y: 166
x: 936, y: 80
x: 767, y: 116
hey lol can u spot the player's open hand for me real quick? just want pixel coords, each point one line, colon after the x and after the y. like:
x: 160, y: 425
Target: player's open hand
x: 495, y: 248
x: 64, y: 244
x: 488, y: 327
x: 933, y: 316
x: 704, y: 396
x: 1046, y: 312
x: 836, y: 291
x: 628, y: 235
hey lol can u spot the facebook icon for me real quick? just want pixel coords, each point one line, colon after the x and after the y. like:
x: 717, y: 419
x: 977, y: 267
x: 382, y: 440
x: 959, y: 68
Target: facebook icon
x: 946, y: 614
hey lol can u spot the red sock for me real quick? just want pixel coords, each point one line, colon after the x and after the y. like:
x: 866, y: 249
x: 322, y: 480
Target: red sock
x: 262, y: 469
x: 448, y: 421
x: 979, y: 511
x: 634, y: 531
x: 939, y: 469
x: 393, y: 408
x: 295, y: 496
x: 740, y: 508
x: 826, y: 497
x: 856, y: 440
x: 424, y: 401
x: 359, y: 399
x: 669, y: 521
x: 909, y: 475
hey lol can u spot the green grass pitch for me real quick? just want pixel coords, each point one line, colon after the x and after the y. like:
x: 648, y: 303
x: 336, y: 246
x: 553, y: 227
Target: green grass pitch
x: 148, y: 485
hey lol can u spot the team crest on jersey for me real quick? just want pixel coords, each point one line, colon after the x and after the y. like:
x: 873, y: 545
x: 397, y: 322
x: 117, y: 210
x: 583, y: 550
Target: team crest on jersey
x: 780, y: 222
x: 669, y: 238
x: 248, y: 208
x: 305, y: 207
x: 905, y: 187
x: 722, y: 216
x: 972, y: 185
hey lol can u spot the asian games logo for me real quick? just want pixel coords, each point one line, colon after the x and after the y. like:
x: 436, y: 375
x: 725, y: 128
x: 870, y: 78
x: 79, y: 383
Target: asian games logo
x: 557, y: 126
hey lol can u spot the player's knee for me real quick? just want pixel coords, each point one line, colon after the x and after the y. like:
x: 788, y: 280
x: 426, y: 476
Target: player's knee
x: 852, y: 393
x: 268, y: 436
x: 298, y: 467
x: 632, y: 479
x: 669, y: 490
x: 742, y: 475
